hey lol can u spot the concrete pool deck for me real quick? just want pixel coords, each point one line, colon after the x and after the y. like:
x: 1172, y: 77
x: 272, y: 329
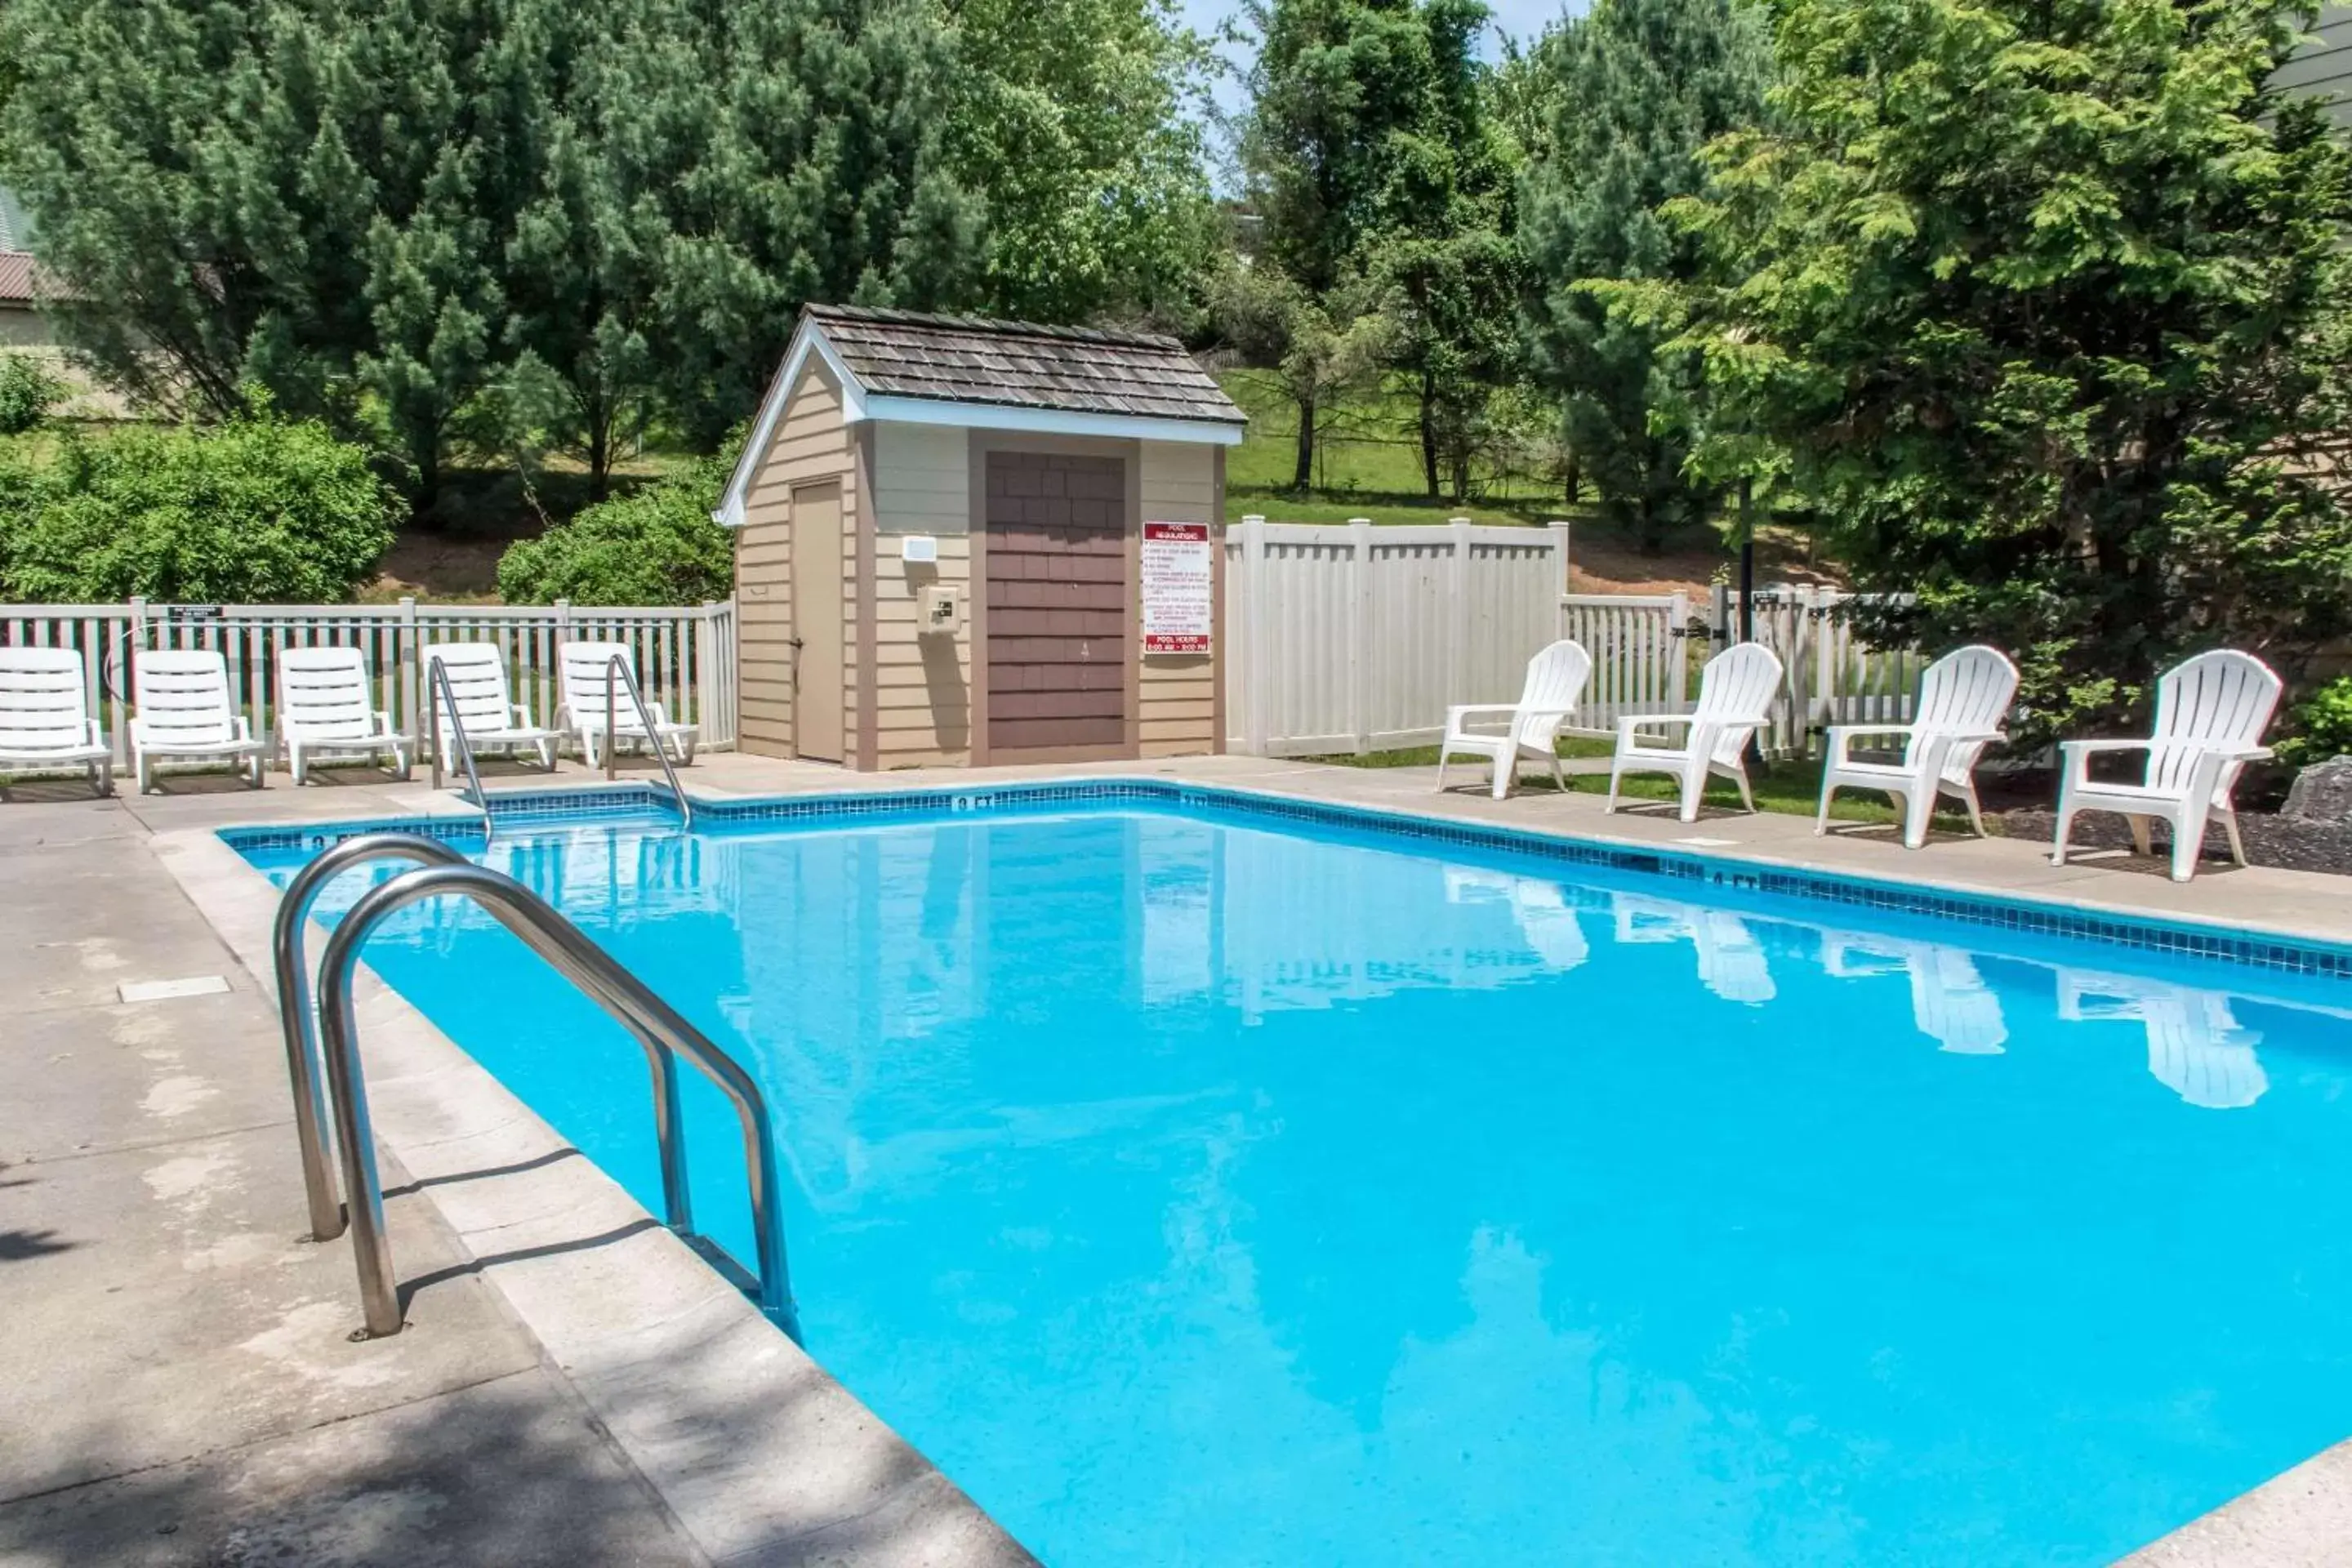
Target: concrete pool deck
x: 573, y: 1385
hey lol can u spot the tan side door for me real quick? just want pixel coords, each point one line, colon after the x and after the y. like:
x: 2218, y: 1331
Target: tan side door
x: 817, y: 621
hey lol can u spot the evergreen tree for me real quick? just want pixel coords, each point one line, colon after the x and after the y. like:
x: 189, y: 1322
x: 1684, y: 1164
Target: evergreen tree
x: 1445, y: 248
x: 1641, y: 87
x: 1343, y: 94
x: 2042, y: 308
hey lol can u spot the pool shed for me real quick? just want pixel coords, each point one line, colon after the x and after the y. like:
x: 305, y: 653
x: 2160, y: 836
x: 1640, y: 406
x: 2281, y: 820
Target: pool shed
x: 976, y: 542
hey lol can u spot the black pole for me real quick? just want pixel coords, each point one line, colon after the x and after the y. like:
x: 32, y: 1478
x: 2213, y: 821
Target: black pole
x: 1746, y: 560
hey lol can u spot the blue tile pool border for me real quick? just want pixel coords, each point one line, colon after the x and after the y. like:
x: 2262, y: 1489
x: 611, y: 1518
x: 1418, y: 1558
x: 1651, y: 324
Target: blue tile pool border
x: 2293, y: 955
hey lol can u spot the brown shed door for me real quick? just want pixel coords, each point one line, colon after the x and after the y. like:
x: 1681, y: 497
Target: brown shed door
x: 1058, y: 603
x: 817, y: 621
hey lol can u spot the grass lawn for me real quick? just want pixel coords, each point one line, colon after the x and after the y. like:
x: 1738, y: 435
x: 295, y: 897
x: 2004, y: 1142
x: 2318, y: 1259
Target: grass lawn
x: 1792, y: 787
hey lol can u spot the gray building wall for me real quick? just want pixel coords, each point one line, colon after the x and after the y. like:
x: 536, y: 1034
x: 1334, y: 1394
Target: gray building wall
x: 2325, y: 66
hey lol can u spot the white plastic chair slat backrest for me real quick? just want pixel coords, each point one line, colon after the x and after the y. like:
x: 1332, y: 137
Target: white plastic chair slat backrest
x: 1555, y: 685
x: 586, y: 670
x: 1735, y: 689
x: 1966, y: 692
x: 182, y: 698
x: 478, y: 686
x: 2220, y: 699
x: 44, y: 704
x: 322, y: 694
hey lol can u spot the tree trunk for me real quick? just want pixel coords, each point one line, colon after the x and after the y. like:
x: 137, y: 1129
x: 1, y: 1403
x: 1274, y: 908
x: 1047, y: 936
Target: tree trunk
x: 600, y: 453
x: 1304, y: 474
x: 1575, y: 480
x: 1429, y: 431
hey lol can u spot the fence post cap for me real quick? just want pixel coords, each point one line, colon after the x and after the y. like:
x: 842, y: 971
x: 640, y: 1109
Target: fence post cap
x: 1252, y: 517
x: 1459, y: 521
x: 1355, y: 521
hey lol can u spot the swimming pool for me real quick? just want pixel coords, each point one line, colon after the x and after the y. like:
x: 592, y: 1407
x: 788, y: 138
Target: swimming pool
x: 1199, y: 1185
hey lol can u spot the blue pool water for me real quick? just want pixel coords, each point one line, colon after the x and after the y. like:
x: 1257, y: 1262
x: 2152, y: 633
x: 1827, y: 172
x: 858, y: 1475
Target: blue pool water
x: 1195, y: 1187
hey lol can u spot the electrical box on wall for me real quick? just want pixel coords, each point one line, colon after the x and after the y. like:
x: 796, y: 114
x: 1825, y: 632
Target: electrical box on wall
x: 939, y: 611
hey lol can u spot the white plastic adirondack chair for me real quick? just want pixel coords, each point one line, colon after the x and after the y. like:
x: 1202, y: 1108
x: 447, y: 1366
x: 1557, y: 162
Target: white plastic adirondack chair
x: 1731, y: 962
x: 324, y: 707
x: 45, y: 719
x: 1735, y: 700
x: 1963, y: 697
x: 2196, y: 1046
x: 1530, y: 727
x: 1950, y: 1002
x: 2210, y: 712
x: 584, y: 676
x: 478, y: 688
x: 184, y: 714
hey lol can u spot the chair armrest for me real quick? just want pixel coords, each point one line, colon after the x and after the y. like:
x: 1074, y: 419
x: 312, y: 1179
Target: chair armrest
x: 1841, y: 737
x: 1629, y: 722
x: 2087, y: 746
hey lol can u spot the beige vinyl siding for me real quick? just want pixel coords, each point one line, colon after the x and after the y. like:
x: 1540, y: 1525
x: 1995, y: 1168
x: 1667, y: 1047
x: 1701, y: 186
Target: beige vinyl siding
x: 812, y: 444
x: 922, y: 686
x: 1177, y: 693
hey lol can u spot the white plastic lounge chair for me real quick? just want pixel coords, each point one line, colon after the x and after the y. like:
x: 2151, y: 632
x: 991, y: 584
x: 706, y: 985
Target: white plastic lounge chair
x: 45, y: 720
x: 184, y: 715
x: 1731, y: 962
x: 2196, y: 1046
x: 1949, y: 1000
x: 1530, y: 727
x: 585, y: 674
x: 324, y: 708
x: 2210, y: 713
x: 478, y: 685
x: 1963, y: 697
x: 1735, y: 700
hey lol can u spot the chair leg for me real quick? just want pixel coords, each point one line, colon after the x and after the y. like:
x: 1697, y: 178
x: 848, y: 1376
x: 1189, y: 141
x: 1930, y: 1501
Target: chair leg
x: 1441, y: 770
x: 1616, y: 772
x: 1739, y: 778
x: 1507, y: 763
x: 1821, y: 816
x: 1694, y: 788
x: 1976, y: 812
x: 2187, y: 841
x: 144, y: 767
x: 1919, y: 812
x: 2229, y: 816
x: 2066, y: 827
x: 1559, y: 778
x: 2141, y: 843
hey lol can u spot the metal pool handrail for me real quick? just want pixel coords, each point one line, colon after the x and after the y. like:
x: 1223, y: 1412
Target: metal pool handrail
x: 444, y: 695
x: 657, y: 1027
x: 294, y: 1015
x: 619, y: 670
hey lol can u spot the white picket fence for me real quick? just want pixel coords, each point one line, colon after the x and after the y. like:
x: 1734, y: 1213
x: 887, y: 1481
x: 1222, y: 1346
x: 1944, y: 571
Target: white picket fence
x: 1348, y: 637
x: 686, y: 657
x: 1832, y: 678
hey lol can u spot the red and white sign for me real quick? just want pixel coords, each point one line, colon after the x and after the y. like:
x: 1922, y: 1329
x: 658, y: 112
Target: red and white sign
x: 1179, y: 587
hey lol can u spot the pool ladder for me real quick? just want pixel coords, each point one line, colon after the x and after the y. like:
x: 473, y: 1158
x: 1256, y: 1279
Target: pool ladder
x: 653, y: 1023
x: 617, y: 675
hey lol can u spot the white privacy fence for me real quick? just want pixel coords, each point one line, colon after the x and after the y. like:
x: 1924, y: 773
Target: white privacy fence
x: 685, y: 656
x: 1348, y: 637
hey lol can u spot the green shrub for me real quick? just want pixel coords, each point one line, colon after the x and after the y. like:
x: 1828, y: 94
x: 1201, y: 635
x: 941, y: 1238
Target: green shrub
x: 655, y: 546
x: 27, y: 393
x: 255, y: 510
x: 2321, y: 725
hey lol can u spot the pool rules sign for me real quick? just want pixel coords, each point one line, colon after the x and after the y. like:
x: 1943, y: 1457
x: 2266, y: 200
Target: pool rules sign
x: 1179, y: 587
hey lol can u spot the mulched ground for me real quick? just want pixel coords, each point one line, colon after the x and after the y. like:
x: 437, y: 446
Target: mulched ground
x: 2271, y: 840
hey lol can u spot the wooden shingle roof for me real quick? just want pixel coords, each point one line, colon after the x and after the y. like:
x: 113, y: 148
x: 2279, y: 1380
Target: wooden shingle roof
x: 965, y: 359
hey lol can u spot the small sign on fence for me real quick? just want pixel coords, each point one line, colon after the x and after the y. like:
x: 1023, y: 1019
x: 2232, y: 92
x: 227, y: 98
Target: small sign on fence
x: 181, y: 613
x: 1179, y: 587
